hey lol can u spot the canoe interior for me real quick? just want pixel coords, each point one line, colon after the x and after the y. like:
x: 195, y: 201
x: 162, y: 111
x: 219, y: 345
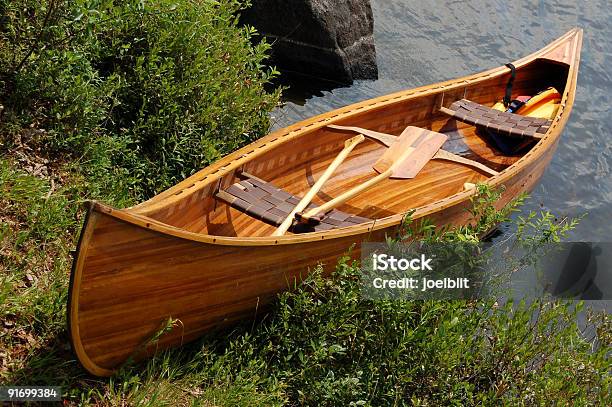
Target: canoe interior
x: 296, y: 165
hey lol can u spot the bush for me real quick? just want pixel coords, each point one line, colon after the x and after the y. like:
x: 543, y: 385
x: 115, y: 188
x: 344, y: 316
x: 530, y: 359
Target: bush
x: 330, y: 346
x: 176, y: 84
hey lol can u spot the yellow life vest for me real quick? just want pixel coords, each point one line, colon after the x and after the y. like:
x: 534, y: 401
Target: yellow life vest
x: 543, y: 105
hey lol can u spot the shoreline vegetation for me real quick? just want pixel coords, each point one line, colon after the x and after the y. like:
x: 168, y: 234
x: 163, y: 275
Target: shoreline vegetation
x: 118, y: 102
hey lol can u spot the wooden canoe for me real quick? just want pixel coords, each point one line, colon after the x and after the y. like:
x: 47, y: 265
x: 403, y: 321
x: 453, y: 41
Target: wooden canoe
x: 187, y: 255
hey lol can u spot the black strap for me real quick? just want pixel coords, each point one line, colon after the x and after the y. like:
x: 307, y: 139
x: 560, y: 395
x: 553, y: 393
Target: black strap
x: 508, y: 96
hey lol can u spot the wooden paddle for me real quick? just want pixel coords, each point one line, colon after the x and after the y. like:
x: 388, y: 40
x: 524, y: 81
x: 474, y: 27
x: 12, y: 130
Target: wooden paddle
x: 403, y: 160
x: 349, y: 145
x: 388, y: 139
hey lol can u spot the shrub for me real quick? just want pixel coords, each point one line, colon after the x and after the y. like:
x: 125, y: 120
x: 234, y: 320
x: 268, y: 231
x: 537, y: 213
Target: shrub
x: 177, y: 84
x: 330, y: 346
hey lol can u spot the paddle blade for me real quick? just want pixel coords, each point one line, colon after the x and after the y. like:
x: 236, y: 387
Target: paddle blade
x: 414, y: 161
x: 405, y: 160
x: 396, y: 150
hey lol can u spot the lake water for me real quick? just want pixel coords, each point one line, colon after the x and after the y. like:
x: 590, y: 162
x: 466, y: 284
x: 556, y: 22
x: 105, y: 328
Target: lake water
x: 423, y: 42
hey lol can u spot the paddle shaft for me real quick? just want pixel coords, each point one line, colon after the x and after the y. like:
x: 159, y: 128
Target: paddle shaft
x: 347, y: 195
x: 339, y: 200
x: 392, y: 165
x: 305, y: 201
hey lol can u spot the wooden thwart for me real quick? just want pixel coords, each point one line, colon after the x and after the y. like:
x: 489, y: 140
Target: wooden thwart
x: 448, y: 156
x: 383, y: 138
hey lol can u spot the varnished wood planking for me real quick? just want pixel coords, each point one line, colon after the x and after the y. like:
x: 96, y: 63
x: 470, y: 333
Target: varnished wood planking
x: 190, y: 257
x: 126, y: 304
x: 195, y: 270
x: 394, y: 195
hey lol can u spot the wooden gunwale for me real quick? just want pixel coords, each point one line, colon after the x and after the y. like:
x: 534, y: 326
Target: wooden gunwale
x: 211, y: 174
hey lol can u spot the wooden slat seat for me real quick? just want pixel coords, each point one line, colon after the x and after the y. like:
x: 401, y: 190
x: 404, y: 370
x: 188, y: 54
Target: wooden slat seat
x: 266, y: 202
x: 504, y: 123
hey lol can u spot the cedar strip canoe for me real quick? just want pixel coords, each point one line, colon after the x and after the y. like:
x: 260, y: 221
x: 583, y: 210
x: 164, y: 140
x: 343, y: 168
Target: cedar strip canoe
x: 188, y: 255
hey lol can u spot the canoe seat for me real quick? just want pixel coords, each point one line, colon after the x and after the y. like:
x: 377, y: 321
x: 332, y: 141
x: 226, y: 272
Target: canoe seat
x: 268, y: 203
x: 504, y: 123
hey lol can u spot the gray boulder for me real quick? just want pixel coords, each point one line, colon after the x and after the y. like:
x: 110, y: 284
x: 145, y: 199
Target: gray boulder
x: 331, y: 39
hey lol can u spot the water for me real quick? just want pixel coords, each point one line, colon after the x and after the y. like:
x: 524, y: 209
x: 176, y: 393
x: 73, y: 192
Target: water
x: 419, y: 43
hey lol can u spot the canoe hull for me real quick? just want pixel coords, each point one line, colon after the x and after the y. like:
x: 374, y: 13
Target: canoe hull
x: 137, y: 279
x: 133, y: 273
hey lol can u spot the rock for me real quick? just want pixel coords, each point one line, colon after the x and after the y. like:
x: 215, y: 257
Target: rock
x: 330, y: 39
